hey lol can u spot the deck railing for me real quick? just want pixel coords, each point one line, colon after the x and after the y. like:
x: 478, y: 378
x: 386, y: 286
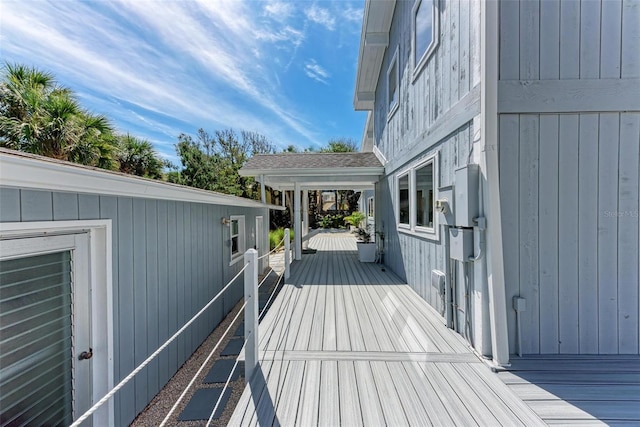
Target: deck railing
x: 252, y: 317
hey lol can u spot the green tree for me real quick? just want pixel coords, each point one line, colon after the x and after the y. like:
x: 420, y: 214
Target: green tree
x: 340, y: 145
x: 212, y: 162
x: 40, y: 117
x: 137, y: 157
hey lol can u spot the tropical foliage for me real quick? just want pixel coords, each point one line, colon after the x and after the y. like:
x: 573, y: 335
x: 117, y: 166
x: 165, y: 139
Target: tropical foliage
x: 39, y: 116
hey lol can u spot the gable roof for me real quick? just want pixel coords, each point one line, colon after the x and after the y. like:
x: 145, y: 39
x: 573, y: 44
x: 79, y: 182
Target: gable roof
x: 315, y: 170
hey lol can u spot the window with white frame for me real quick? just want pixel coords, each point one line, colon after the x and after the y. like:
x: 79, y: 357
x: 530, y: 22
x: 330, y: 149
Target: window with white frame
x: 403, y: 199
x: 424, y: 29
x: 370, y: 207
x: 237, y: 237
x: 415, y: 197
x: 424, y: 195
x: 393, y: 83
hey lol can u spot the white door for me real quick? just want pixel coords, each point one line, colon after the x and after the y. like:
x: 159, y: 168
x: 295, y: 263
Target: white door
x: 45, y: 325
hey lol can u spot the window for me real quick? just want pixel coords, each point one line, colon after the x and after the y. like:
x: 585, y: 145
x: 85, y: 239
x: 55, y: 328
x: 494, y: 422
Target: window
x: 393, y: 80
x: 403, y: 197
x: 424, y: 27
x: 370, y: 208
x: 237, y: 238
x: 424, y: 196
x: 415, y: 198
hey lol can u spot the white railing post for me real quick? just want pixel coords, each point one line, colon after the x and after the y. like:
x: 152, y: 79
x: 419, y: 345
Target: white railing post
x: 251, y: 313
x: 287, y: 253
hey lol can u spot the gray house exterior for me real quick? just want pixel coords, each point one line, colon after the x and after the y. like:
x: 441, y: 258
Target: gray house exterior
x: 521, y: 119
x: 157, y: 253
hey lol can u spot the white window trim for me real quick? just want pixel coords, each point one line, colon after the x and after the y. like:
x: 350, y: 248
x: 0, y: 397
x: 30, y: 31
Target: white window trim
x: 100, y: 275
x: 407, y: 173
x: 370, y: 207
x: 419, y: 63
x: 242, y: 239
x: 393, y: 108
x: 411, y: 228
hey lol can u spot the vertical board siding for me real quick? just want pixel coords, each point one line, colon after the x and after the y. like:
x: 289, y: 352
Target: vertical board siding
x: 125, y: 321
x: 528, y: 221
x: 569, y: 183
x: 36, y: 205
x: 569, y: 39
x: 548, y: 234
x: 570, y: 230
x: 628, y: 235
x: 568, y: 327
x: 169, y: 259
x: 630, y: 36
x: 152, y: 295
x: 65, y: 206
x: 449, y: 74
x: 412, y: 257
x: 608, y: 161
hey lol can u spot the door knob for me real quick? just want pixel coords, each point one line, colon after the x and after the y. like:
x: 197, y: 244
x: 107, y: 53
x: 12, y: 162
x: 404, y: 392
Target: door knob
x: 86, y: 355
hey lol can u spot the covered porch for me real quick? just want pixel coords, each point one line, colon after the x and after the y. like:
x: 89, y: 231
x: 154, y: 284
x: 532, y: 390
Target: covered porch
x: 301, y: 172
x: 348, y: 343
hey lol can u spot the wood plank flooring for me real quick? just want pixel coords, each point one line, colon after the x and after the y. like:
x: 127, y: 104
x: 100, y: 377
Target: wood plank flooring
x: 578, y: 390
x: 347, y: 343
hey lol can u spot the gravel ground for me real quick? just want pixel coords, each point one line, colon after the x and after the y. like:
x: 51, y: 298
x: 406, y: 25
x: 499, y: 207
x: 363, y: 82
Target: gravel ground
x: 161, y: 404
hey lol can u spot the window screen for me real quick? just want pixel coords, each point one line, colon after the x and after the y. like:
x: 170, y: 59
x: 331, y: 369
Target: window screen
x: 36, y: 340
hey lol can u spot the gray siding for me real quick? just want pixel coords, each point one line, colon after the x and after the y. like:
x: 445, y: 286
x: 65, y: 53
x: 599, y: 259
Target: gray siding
x: 569, y: 189
x: 569, y: 182
x: 169, y: 258
x: 409, y: 256
x: 450, y: 73
x: 442, y: 89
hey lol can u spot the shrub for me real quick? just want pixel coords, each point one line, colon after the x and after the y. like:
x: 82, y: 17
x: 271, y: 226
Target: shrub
x: 276, y: 236
x: 355, y: 218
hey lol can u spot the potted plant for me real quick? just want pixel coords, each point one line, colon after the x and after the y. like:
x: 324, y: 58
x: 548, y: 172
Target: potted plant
x: 366, y: 248
x: 355, y: 219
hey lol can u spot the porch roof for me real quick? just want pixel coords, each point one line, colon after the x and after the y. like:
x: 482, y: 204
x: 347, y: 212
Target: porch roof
x: 315, y: 170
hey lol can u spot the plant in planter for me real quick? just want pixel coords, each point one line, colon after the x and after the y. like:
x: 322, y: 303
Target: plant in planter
x: 355, y: 219
x: 366, y: 248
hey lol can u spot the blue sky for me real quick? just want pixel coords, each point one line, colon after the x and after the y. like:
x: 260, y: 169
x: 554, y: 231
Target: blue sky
x: 161, y: 68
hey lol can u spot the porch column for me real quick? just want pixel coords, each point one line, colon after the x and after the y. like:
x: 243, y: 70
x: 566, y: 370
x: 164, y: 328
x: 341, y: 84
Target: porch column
x: 305, y: 217
x: 263, y: 192
x: 297, y: 223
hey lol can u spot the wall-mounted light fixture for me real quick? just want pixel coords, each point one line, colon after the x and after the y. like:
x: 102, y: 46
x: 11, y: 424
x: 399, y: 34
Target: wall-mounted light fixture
x: 225, y: 221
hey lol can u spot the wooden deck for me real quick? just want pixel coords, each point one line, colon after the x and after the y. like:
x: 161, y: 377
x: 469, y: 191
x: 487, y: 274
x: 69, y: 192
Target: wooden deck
x: 578, y: 390
x: 347, y: 343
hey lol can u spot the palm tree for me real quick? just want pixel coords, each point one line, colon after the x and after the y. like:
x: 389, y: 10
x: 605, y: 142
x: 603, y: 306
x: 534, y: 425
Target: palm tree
x: 40, y: 117
x: 137, y: 156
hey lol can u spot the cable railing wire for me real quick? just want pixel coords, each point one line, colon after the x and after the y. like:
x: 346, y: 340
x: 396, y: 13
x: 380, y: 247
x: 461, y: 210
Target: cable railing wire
x: 264, y: 309
x: 266, y: 276
x: 197, y: 374
x: 140, y: 367
x: 272, y: 250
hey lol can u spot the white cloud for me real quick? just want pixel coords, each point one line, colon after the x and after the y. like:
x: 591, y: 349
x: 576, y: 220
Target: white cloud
x: 147, y: 56
x: 321, y: 16
x: 280, y: 11
x: 314, y: 71
x: 352, y: 15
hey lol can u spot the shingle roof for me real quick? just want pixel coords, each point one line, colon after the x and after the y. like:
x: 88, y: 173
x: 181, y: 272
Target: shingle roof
x: 312, y: 161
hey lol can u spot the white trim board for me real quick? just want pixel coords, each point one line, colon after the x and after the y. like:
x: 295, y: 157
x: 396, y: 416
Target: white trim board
x: 100, y: 276
x: 458, y: 115
x: 21, y: 170
x: 568, y: 96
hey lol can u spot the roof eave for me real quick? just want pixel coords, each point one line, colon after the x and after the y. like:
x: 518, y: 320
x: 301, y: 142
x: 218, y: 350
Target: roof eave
x: 21, y: 170
x: 344, y: 171
x: 374, y: 39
